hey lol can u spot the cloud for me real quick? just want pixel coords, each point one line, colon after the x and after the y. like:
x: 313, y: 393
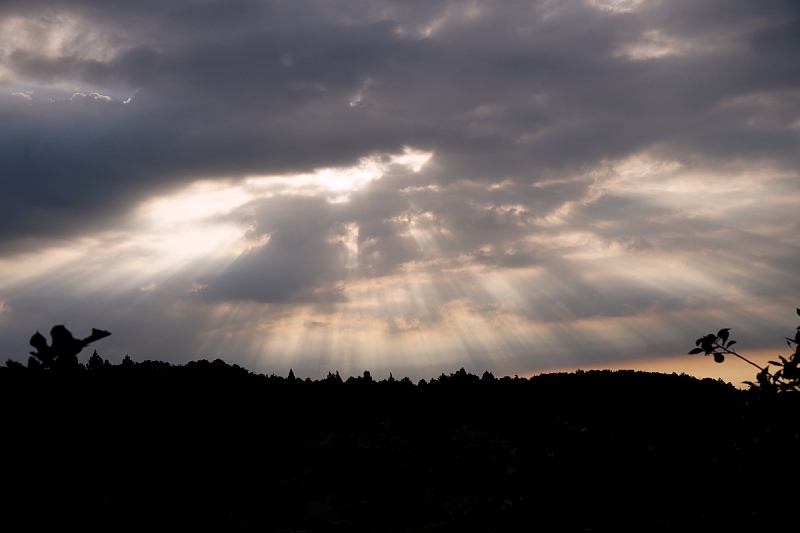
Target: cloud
x: 404, y: 166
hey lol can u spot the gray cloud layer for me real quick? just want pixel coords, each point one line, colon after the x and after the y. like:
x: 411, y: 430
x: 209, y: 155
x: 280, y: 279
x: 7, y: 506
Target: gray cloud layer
x: 530, y: 109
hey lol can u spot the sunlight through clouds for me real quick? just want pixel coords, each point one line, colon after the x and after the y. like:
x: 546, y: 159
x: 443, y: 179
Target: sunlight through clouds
x: 199, y: 201
x: 404, y: 187
x: 433, y: 309
x: 199, y: 220
x: 336, y: 183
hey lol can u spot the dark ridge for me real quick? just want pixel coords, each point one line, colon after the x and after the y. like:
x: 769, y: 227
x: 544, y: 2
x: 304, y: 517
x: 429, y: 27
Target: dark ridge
x: 152, y: 445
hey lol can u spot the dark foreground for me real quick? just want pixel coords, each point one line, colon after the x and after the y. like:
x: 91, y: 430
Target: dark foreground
x: 151, y: 446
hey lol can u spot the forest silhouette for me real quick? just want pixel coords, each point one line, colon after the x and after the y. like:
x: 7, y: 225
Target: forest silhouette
x: 210, y: 445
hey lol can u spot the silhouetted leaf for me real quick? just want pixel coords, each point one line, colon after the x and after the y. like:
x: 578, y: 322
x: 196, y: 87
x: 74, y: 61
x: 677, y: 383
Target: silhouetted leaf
x: 731, y: 344
x: 695, y: 351
x: 723, y: 335
x: 707, y: 343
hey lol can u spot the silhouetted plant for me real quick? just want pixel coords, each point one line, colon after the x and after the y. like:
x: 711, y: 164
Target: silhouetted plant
x: 63, y: 353
x: 787, y: 378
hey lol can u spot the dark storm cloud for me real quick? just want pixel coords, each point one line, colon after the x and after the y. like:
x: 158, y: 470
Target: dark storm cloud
x: 235, y: 88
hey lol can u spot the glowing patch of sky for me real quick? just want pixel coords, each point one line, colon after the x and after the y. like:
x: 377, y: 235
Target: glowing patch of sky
x: 399, y: 321
x: 170, y: 232
x: 402, y: 317
x: 616, y: 6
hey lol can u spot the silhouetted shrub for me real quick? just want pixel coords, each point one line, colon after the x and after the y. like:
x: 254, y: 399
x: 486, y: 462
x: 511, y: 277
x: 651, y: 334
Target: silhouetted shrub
x: 64, y: 350
x: 786, y: 378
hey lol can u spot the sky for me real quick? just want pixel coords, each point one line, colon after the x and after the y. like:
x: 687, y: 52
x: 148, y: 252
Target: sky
x: 404, y: 186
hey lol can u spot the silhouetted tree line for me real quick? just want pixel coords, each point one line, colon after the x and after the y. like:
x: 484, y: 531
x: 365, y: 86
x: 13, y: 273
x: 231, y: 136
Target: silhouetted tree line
x: 152, y: 445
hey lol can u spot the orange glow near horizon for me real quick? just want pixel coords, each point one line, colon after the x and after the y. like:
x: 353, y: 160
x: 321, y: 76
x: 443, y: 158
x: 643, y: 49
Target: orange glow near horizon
x: 732, y: 370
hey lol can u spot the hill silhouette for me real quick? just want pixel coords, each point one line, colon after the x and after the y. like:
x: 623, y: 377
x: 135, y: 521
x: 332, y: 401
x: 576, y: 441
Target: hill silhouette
x: 212, y: 445
x: 139, y: 445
